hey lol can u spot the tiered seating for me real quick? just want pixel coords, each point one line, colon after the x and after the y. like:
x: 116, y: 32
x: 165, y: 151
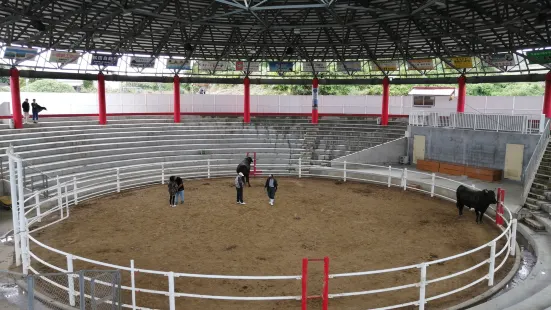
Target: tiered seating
x: 83, y: 149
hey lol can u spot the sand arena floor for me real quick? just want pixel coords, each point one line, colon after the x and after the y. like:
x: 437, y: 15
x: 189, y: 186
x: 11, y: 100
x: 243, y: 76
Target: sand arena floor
x: 359, y: 226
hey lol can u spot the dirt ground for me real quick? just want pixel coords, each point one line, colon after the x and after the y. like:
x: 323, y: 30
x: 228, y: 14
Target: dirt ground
x: 360, y: 227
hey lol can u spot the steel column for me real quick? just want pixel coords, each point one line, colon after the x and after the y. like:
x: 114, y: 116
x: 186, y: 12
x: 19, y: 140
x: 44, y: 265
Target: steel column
x: 386, y: 95
x: 177, y: 115
x: 461, y: 94
x: 547, y: 96
x: 101, y: 99
x: 246, y: 100
x: 15, y: 98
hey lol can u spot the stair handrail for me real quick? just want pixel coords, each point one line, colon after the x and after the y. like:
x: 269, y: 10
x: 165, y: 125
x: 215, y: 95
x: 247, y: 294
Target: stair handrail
x: 531, y: 169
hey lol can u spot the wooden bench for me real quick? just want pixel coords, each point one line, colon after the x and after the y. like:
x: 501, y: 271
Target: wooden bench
x: 480, y: 173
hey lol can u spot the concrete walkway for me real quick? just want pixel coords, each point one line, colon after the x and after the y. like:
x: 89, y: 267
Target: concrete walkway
x: 513, y: 190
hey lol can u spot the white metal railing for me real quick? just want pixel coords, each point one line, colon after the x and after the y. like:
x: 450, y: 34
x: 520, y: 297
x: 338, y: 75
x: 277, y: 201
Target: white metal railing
x: 531, y: 169
x: 75, y: 190
x: 490, y: 122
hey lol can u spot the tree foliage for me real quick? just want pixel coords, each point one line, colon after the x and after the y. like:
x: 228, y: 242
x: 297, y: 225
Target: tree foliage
x: 48, y: 86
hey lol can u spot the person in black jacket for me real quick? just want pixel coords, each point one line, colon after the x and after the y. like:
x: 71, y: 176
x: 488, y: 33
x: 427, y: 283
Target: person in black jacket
x: 180, y: 192
x: 36, y: 109
x: 26, y: 108
x: 271, y: 188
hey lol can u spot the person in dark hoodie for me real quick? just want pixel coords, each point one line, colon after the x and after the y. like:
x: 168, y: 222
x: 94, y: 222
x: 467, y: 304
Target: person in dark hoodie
x: 26, y: 108
x: 271, y: 188
x: 36, y: 108
x: 180, y: 192
x: 172, y: 190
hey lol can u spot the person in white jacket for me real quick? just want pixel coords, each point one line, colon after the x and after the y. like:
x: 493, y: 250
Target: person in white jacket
x: 239, y: 184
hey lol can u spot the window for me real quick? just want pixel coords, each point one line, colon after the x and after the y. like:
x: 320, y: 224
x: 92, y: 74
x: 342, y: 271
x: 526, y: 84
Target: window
x: 423, y: 101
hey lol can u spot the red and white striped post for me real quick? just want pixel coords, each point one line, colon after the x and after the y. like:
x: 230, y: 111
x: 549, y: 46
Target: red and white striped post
x: 499, y: 206
x: 315, y: 88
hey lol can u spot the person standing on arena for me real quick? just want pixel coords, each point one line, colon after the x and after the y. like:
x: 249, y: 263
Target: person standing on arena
x: 271, y: 188
x: 172, y: 190
x: 36, y: 109
x: 239, y: 184
x: 26, y: 108
x: 180, y: 192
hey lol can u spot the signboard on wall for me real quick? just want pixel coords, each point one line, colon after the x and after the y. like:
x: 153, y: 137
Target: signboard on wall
x: 142, y: 62
x: 213, y: 65
x: 460, y: 62
x: 498, y: 60
x: 279, y: 66
x: 20, y: 53
x: 539, y: 57
x: 350, y: 66
x: 247, y: 66
x: 420, y: 64
x: 315, y: 66
x: 104, y: 60
x: 64, y: 58
x: 178, y: 64
x: 384, y: 65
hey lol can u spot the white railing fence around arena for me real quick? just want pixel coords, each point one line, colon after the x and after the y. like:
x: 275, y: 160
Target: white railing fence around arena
x: 70, y: 191
x: 529, y: 173
x: 531, y: 124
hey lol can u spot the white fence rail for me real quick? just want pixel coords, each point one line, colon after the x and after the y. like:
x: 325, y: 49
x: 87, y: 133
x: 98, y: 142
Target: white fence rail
x: 86, y: 103
x: 489, y: 122
x: 72, y: 191
x: 531, y: 169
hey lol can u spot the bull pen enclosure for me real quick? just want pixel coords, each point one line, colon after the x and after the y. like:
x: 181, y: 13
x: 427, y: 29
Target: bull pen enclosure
x: 359, y: 226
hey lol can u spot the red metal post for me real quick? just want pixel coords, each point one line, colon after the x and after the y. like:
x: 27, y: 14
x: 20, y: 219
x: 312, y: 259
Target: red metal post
x: 315, y: 88
x: 177, y: 115
x: 15, y: 98
x: 386, y: 94
x: 547, y: 96
x: 497, y: 205
x: 304, y: 283
x: 325, y: 294
x: 101, y: 99
x: 247, y: 100
x: 462, y: 92
x: 501, y: 210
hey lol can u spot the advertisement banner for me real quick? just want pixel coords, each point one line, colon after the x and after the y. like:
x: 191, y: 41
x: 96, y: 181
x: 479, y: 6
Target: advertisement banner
x: 20, y: 53
x: 539, y: 57
x: 420, y: 64
x: 104, y: 60
x: 385, y: 65
x: 460, y: 62
x: 281, y: 66
x: 64, y: 58
x: 316, y: 66
x: 176, y: 64
x: 498, y: 60
x: 142, y: 62
x: 213, y: 65
x: 350, y: 66
x: 247, y: 66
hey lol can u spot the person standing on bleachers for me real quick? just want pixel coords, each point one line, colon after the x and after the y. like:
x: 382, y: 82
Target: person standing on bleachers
x: 26, y: 108
x: 36, y: 109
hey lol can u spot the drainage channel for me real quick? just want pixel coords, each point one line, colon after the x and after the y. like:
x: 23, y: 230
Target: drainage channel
x: 527, y: 263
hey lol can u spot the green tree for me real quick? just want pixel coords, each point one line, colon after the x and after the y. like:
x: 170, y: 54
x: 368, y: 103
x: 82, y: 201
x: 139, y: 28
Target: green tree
x: 48, y: 86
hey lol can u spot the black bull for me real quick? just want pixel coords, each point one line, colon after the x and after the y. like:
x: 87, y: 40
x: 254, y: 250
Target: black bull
x: 245, y: 168
x: 479, y: 200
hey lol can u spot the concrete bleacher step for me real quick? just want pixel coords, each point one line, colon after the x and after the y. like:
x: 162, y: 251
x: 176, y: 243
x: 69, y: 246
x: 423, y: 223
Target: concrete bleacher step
x: 534, y: 224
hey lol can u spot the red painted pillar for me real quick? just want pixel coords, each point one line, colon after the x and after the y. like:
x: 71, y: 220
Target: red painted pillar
x: 247, y: 100
x: 304, y: 299
x: 547, y: 96
x: 461, y: 95
x: 315, y: 84
x: 386, y: 94
x: 101, y: 99
x: 177, y: 115
x: 15, y: 98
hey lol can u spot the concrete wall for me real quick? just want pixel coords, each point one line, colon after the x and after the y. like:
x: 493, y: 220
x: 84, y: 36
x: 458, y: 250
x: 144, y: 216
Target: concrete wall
x: 384, y: 154
x: 471, y: 147
x: 5, y: 110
